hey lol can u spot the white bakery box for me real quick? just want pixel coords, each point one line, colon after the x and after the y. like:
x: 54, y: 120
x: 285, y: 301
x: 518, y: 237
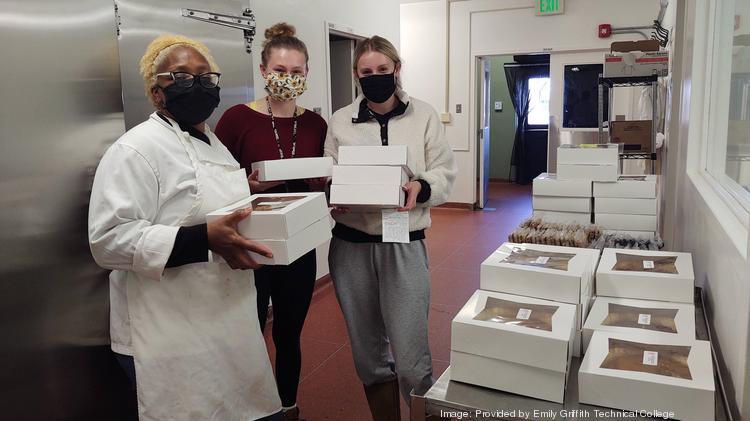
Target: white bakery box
x: 562, y: 274
x: 293, y: 168
x: 290, y: 224
x: 645, y: 318
x: 391, y: 155
x: 546, y: 184
x: 625, y: 222
x: 515, y: 344
x: 666, y: 377
x: 628, y: 206
x: 562, y: 204
x: 593, y: 162
x: 628, y: 186
x: 581, y: 218
x: 365, y: 197
x: 646, y: 274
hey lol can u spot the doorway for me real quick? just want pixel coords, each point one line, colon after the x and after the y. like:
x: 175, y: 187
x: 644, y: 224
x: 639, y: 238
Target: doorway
x: 342, y: 87
x: 506, y: 150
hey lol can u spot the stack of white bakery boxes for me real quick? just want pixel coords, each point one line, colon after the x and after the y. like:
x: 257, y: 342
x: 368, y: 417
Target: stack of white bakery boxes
x: 519, y: 332
x: 370, y: 177
x: 563, y: 201
x: 641, y: 351
x: 628, y: 205
x: 565, y: 197
x: 290, y: 224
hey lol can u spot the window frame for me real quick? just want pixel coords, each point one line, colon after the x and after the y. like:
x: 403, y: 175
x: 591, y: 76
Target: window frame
x: 719, y: 71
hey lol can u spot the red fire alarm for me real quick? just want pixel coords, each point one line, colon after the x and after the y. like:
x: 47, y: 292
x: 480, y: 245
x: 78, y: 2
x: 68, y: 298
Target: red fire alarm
x: 605, y: 30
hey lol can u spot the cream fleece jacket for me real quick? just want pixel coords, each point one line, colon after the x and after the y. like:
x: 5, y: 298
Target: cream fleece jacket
x: 430, y: 155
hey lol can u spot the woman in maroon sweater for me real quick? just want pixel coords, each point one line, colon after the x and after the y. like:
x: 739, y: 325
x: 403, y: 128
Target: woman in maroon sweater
x: 274, y: 127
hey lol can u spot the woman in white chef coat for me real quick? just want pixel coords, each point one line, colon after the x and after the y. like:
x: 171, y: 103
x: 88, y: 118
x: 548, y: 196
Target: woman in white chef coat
x: 180, y: 324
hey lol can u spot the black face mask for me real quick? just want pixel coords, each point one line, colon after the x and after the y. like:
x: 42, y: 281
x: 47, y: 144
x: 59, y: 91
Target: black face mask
x: 378, y: 88
x: 191, y: 105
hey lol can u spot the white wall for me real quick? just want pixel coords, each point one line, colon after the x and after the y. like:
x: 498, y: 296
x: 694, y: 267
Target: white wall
x: 489, y: 27
x: 695, y: 219
x: 308, y: 16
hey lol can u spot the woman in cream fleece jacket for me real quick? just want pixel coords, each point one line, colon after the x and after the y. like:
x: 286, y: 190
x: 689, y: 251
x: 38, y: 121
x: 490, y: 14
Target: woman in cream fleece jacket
x: 384, y: 288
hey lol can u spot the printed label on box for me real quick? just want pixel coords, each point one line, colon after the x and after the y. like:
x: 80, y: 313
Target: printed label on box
x: 542, y: 260
x: 650, y: 358
x: 644, y: 319
x: 648, y: 264
x: 395, y: 226
x: 523, y: 314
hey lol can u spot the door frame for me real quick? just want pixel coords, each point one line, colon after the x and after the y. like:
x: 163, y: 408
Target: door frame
x: 341, y: 31
x: 477, y: 57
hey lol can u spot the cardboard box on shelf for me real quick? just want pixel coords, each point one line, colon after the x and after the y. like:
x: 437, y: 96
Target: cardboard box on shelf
x: 646, y: 274
x: 549, y: 185
x: 286, y: 251
x: 625, y: 222
x: 293, y: 169
x: 374, y: 196
x: 659, y: 376
x: 369, y: 174
x: 628, y: 46
x: 642, y: 317
x: 589, y: 154
x: 636, y: 64
x: 634, y: 135
x: 583, y: 218
x: 521, y: 337
x: 588, y: 172
x: 625, y: 206
x: 628, y: 186
x: 276, y: 216
x: 391, y: 155
x: 562, y: 204
x: 547, y: 272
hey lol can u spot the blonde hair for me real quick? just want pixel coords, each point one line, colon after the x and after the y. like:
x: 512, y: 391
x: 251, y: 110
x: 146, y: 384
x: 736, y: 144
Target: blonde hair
x: 282, y: 35
x: 377, y: 44
x: 158, y: 51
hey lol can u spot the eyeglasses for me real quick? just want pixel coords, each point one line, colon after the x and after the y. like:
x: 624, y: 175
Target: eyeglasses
x: 187, y: 80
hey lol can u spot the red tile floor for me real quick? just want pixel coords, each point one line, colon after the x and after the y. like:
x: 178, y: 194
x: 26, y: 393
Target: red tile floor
x: 458, y: 241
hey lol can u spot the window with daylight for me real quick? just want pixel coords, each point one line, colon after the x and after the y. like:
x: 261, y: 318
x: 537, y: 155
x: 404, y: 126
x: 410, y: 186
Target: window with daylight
x: 538, y: 101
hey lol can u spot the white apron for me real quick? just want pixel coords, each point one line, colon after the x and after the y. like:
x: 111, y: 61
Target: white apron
x: 199, y: 352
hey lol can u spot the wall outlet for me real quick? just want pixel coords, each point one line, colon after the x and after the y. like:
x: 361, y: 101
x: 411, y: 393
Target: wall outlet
x: 498, y: 105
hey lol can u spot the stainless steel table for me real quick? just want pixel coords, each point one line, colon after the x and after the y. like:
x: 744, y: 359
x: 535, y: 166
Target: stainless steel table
x: 462, y: 401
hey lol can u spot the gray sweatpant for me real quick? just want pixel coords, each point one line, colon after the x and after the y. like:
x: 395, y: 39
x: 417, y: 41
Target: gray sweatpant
x: 384, y: 293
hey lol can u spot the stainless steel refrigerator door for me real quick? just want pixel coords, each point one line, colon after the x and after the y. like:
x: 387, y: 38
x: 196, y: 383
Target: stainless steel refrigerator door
x: 140, y: 21
x: 60, y: 111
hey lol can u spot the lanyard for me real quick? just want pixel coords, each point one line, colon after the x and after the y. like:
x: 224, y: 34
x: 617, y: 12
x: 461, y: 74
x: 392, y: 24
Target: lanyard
x: 276, y: 132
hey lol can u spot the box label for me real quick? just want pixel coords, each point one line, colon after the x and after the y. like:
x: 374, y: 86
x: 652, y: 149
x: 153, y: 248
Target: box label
x: 644, y: 319
x: 542, y: 260
x: 395, y: 226
x: 648, y: 264
x: 650, y: 358
x: 523, y: 314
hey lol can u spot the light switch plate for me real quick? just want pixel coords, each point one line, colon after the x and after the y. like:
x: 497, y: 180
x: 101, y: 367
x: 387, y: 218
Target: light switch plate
x: 458, y: 108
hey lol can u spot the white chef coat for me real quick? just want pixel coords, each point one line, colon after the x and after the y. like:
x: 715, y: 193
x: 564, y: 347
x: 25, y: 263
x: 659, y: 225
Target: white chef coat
x: 197, y: 345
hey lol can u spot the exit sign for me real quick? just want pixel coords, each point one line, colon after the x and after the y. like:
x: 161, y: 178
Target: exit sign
x: 549, y: 7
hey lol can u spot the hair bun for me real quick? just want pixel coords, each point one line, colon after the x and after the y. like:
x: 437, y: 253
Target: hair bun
x: 281, y: 29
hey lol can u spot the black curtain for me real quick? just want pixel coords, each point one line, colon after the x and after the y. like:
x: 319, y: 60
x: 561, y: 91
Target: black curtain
x: 524, y: 153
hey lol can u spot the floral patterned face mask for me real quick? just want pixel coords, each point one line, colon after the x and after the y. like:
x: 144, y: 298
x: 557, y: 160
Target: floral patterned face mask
x: 285, y: 86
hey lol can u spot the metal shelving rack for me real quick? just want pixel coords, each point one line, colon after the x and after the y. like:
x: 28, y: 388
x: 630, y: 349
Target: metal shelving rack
x: 615, y: 82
